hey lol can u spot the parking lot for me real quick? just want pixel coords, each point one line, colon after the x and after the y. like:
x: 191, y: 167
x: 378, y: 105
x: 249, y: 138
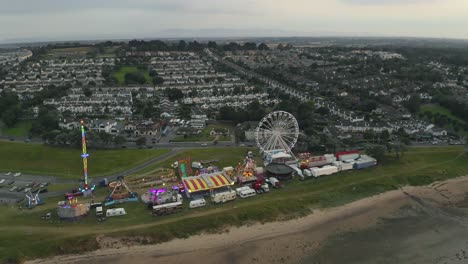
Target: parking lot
x: 21, y: 182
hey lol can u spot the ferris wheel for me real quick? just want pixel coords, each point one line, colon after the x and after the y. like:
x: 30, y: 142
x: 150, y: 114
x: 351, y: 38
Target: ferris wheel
x: 277, y: 131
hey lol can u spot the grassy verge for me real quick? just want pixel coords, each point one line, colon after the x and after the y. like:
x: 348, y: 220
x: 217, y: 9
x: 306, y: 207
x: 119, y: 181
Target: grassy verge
x: 66, y: 163
x: 27, y: 236
x: 21, y: 129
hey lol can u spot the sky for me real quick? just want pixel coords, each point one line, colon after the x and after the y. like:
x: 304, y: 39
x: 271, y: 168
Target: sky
x: 31, y: 20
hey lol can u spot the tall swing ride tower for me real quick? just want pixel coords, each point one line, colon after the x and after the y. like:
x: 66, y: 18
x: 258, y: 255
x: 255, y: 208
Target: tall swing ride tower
x: 87, y: 189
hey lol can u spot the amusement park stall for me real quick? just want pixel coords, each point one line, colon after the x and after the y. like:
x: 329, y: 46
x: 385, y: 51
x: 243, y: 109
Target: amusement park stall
x: 206, y: 182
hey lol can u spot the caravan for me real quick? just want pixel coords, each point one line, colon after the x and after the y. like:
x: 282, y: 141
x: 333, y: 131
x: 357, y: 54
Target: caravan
x: 197, y: 203
x: 115, y: 212
x: 223, y: 197
x: 247, y: 193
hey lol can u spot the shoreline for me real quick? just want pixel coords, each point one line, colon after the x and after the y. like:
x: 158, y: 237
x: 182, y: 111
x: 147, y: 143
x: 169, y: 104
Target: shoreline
x: 298, y: 237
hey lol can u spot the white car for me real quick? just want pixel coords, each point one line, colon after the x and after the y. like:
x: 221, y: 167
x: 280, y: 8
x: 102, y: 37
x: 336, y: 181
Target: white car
x: 9, y: 173
x: 17, y: 174
x: 204, y: 144
x: 2, y: 180
x: 27, y: 190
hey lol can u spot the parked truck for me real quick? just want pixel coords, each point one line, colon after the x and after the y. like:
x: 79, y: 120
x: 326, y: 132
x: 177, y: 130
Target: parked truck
x: 260, y: 187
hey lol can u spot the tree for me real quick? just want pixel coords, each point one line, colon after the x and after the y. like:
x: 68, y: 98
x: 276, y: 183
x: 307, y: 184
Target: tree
x: 174, y: 94
x: 376, y: 151
x: 119, y: 140
x: 413, y: 104
x: 263, y: 46
x: 11, y: 115
x: 87, y: 92
x: 141, y: 141
x: 158, y: 80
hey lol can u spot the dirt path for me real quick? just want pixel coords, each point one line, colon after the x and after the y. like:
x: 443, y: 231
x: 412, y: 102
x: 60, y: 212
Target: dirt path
x: 302, y: 240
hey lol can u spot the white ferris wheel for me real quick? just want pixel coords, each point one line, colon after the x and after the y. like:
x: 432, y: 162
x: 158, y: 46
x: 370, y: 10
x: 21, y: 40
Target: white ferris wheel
x: 277, y: 131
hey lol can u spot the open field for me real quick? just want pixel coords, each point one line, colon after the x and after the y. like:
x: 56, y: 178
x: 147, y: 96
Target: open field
x: 21, y: 129
x: 24, y: 235
x: 66, y: 162
x: 120, y: 74
x: 74, y: 51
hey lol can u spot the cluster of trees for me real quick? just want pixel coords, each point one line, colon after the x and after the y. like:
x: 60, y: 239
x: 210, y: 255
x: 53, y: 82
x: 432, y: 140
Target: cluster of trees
x: 10, y: 108
x: 174, y: 94
x: 135, y: 78
x: 253, y: 112
x: 457, y: 107
x: 182, y: 45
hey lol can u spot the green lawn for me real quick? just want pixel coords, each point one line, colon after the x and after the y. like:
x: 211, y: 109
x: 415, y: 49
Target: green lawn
x: 25, y: 235
x: 439, y: 109
x: 66, y: 162
x: 120, y: 74
x: 21, y: 129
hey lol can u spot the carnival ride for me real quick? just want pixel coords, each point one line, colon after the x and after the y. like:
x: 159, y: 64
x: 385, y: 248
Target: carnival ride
x: 33, y: 200
x: 184, y: 166
x: 277, y: 133
x: 86, y: 190
x: 245, y: 171
x: 71, y: 209
x: 161, y: 196
x: 120, y: 193
x: 156, y: 177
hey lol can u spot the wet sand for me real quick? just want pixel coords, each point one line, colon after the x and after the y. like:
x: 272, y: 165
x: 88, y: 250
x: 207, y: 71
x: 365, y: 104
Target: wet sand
x: 411, y: 225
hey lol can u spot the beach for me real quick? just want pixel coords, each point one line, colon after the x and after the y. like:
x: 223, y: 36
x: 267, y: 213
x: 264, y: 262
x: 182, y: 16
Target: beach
x: 425, y: 224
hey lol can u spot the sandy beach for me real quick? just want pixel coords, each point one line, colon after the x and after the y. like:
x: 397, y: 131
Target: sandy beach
x: 411, y: 225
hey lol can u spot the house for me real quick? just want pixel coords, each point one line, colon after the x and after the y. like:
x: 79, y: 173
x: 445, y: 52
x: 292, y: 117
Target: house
x: 219, y: 132
x: 438, y: 132
x: 198, y: 118
x: 148, y: 128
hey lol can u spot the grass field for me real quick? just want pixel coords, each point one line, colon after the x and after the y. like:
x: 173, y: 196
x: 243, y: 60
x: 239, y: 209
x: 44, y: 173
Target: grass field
x: 74, y: 51
x: 25, y: 235
x: 120, y: 74
x: 66, y: 162
x: 21, y: 129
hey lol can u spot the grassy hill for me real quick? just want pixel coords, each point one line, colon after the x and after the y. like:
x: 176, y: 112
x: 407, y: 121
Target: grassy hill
x: 120, y: 74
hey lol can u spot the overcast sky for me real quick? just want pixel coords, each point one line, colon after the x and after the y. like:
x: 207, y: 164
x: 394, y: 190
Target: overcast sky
x: 101, y: 19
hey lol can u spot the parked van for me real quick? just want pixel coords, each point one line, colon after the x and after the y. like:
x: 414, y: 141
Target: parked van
x: 197, y: 203
x: 99, y: 211
x: 247, y: 193
x: 240, y: 189
x: 115, y: 212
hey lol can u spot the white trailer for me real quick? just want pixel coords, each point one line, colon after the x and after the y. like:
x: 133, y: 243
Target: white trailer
x: 325, y: 170
x: 99, y: 211
x: 343, y: 166
x: 115, y: 212
x: 352, y: 156
x: 223, y: 197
